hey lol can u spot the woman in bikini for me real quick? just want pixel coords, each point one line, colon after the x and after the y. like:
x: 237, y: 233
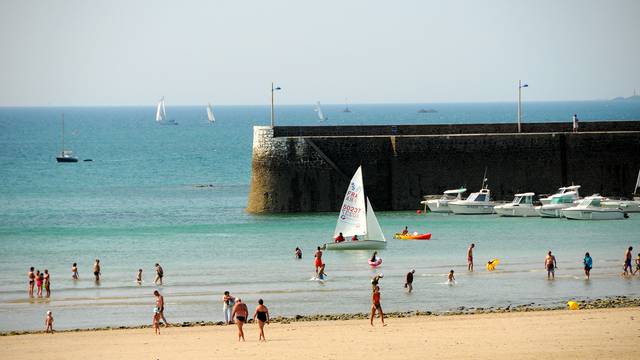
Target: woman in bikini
x: 47, y: 282
x: 262, y: 314
x: 240, y: 313
x: 39, y: 281
x: 32, y: 281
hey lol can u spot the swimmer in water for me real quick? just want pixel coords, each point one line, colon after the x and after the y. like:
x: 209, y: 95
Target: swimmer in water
x: 139, y: 277
x: 318, y: 260
x: 374, y: 257
x: 450, y: 278
x: 74, y: 272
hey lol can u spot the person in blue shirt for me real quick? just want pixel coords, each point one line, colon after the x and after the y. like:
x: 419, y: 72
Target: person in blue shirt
x: 588, y: 264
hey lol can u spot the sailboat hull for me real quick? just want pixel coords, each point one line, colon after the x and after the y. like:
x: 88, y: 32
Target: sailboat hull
x: 356, y: 245
x: 66, y: 159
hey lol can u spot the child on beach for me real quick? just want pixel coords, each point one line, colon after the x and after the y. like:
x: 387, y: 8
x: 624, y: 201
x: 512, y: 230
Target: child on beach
x: 48, y: 322
x: 139, y: 277
x: 74, y: 272
x: 450, y: 278
x: 156, y: 320
x: 321, y: 273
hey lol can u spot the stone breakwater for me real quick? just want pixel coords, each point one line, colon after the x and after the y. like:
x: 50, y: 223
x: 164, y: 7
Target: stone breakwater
x: 308, y: 168
x: 607, y: 303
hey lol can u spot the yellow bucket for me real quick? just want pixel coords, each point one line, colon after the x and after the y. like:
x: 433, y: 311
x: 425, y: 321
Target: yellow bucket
x: 573, y: 305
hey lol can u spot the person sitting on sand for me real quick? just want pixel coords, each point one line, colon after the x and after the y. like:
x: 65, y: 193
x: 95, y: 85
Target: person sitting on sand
x: 354, y: 238
x: 376, y: 306
x: 339, y: 238
x: 139, y: 277
x: 408, y: 284
x: 450, y: 278
x: 96, y: 270
x: 262, y: 314
x: 318, y: 259
x: 74, y: 271
x: 405, y: 231
x: 550, y: 264
x: 298, y: 253
x: 240, y: 313
x: 48, y: 322
x: 588, y: 264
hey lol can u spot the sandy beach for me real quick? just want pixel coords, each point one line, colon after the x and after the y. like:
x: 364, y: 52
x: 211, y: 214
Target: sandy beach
x: 560, y: 334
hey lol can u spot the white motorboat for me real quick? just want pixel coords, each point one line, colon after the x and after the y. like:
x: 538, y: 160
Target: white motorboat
x: 356, y: 219
x: 590, y: 208
x: 521, y: 206
x: 561, y: 191
x: 627, y: 206
x: 477, y: 203
x: 442, y: 205
x: 161, y: 114
x: 554, y: 208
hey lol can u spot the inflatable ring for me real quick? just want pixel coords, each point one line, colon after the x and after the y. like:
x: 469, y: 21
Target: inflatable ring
x: 378, y: 262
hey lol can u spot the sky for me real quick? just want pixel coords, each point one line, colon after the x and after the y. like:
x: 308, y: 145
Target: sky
x: 132, y: 52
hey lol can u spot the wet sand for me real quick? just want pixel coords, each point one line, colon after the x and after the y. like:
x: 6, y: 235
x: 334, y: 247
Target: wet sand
x: 587, y: 334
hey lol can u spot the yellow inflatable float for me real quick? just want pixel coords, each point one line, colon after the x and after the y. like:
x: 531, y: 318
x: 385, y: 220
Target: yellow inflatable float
x: 491, y: 265
x: 573, y: 305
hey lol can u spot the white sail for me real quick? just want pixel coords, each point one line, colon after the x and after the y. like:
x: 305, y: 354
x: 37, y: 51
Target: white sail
x: 635, y: 191
x: 210, y: 116
x: 352, y: 217
x: 374, y: 231
x: 318, y: 110
x: 160, y: 113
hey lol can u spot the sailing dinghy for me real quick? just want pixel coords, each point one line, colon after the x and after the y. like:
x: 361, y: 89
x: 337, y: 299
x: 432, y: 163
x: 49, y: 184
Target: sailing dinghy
x: 161, y: 114
x: 318, y: 110
x: 210, y: 116
x: 356, y: 219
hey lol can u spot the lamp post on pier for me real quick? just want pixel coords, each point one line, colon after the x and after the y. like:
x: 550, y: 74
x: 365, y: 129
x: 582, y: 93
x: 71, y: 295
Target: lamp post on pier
x: 273, y: 115
x: 520, y: 86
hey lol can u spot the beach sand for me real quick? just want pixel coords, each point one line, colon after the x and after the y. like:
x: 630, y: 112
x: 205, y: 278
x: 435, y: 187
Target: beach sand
x: 560, y: 334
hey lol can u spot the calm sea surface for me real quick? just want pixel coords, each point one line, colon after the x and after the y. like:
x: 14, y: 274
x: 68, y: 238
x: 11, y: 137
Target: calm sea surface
x: 137, y: 204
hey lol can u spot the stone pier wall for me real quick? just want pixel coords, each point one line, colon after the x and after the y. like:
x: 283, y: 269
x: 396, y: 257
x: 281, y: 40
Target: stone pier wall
x: 306, y: 169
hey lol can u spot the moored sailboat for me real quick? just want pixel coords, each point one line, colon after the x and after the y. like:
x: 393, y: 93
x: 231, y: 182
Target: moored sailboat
x: 210, y: 116
x: 355, y: 219
x: 319, y: 112
x: 66, y: 156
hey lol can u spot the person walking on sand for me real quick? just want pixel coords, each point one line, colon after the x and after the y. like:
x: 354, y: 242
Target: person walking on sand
x: 575, y: 123
x: 470, y: 257
x: 159, y: 275
x: 408, y: 283
x: 74, y: 272
x: 160, y: 307
x: 139, y: 277
x: 262, y: 314
x: 39, y: 281
x: 318, y: 260
x: 228, y: 302
x: 376, y: 306
x: 47, y: 282
x: 551, y: 265
x: 588, y: 265
x: 96, y: 270
x: 32, y: 280
x: 48, y: 322
x: 156, y: 320
x: 628, y: 270
x: 240, y: 313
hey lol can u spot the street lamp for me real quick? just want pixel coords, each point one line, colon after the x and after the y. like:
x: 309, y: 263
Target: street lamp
x: 520, y: 86
x: 273, y: 116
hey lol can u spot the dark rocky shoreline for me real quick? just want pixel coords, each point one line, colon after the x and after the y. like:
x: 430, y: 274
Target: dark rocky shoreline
x: 606, y: 303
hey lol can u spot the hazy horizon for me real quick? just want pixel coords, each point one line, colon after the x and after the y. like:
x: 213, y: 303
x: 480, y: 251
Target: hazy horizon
x: 131, y: 53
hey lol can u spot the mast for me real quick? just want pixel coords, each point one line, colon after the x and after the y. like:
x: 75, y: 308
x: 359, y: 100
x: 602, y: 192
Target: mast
x: 62, y: 150
x: 484, y: 178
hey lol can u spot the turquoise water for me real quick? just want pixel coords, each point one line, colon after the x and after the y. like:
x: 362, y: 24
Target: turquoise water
x: 137, y: 204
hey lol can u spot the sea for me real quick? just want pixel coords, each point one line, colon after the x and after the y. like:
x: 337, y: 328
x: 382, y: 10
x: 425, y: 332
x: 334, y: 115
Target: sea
x: 176, y: 195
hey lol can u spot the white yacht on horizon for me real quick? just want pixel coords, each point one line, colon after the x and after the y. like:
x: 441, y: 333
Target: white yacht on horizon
x: 521, y: 206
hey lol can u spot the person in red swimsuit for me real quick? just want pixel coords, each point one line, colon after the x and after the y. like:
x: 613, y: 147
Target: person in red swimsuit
x: 375, y: 306
x: 318, y: 259
x: 354, y: 238
x: 339, y: 238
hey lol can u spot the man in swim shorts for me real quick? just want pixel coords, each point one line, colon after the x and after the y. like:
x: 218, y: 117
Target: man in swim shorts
x: 628, y: 270
x: 96, y: 270
x: 408, y: 284
x: 318, y: 260
x: 550, y: 264
x: 470, y: 257
x: 160, y: 306
x: 159, y: 274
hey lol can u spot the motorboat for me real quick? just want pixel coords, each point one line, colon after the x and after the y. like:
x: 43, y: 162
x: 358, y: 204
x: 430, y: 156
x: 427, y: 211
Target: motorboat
x: 554, y: 208
x: 355, y: 219
x: 521, y: 206
x: 590, y: 208
x: 477, y: 203
x: 561, y: 191
x: 442, y: 205
x: 628, y: 206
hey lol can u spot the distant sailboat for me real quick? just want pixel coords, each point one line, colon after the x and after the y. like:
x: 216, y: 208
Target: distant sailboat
x: 346, y: 106
x: 161, y: 114
x: 318, y: 110
x: 65, y: 156
x: 210, y: 116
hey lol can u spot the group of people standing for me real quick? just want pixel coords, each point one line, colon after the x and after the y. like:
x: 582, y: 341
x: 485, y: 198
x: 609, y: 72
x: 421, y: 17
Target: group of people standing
x: 39, y: 281
x: 236, y: 311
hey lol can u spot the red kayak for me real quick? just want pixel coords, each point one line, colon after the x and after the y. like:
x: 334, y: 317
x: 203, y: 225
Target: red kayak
x: 426, y: 236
